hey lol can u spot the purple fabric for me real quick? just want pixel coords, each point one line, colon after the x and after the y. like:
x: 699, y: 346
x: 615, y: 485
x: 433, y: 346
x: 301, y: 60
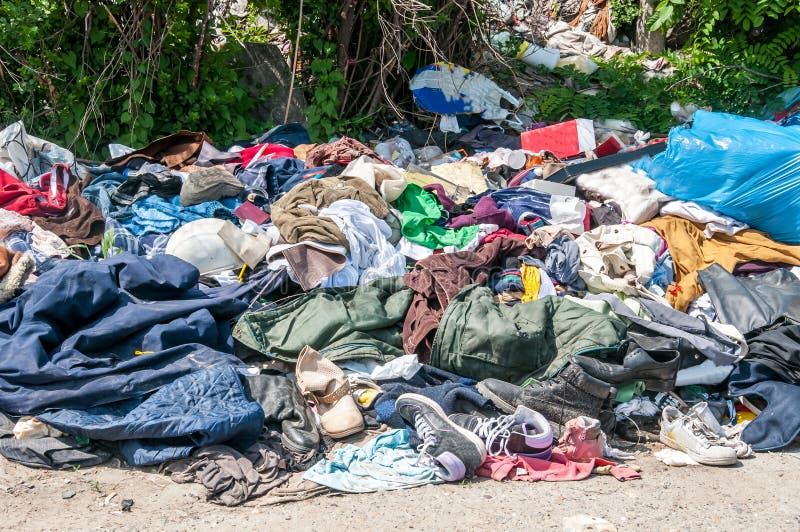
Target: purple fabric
x: 441, y: 195
x: 486, y: 211
x: 756, y: 267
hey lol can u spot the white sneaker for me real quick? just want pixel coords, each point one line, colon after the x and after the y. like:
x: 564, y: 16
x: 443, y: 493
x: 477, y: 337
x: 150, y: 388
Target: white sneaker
x: 703, y: 413
x: 690, y: 435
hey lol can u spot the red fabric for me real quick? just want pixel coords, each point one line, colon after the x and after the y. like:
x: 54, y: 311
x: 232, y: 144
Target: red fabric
x: 501, y: 233
x: 624, y: 473
x: 275, y: 150
x: 557, y: 469
x: 21, y: 198
x: 587, y: 220
x: 566, y: 139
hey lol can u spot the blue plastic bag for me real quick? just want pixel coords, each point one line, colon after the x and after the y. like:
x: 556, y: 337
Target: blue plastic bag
x: 743, y: 167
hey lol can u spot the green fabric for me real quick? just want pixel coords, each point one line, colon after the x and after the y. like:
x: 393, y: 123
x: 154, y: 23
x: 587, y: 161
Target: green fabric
x: 341, y: 323
x: 628, y: 390
x: 421, y: 210
x: 480, y: 339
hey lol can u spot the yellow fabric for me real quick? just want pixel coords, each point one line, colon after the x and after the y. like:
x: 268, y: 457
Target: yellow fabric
x: 531, y: 280
x: 691, y: 251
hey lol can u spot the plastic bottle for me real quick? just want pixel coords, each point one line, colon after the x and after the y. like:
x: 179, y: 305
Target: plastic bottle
x: 529, y: 53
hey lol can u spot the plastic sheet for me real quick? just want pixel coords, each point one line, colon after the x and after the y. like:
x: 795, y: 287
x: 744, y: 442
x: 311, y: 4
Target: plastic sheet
x: 742, y: 167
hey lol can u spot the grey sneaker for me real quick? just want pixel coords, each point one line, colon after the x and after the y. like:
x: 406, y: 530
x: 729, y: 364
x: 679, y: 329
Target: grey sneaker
x: 690, y: 435
x: 457, y: 450
x: 525, y: 433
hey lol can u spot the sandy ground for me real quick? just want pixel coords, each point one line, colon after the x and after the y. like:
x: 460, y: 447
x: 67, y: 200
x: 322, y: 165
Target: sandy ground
x: 759, y: 493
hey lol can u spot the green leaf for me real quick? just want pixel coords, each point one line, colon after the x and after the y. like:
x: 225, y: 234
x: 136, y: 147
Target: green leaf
x: 662, y: 18
x: 145, y: 121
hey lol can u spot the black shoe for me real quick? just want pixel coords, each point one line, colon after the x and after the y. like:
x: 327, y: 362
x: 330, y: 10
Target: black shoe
x: 570, y: 394
x: 657, y: 369
x: 457, y: 450
x: 282, y: 403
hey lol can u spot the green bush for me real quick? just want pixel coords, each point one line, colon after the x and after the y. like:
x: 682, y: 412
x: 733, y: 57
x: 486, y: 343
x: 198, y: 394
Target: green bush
x: 88, y: 73
x: 618, y: 89
x: 735, y: 42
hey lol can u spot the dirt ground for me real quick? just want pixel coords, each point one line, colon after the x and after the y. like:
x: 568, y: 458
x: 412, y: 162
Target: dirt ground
x: 760, y: 493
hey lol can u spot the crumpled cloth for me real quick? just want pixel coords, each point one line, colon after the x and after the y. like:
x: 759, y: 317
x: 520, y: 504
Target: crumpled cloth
x: 386, y: 462
x: 20, y: 267
x: 43, y: 242
x: 558, y: 469
x: 343, y: 150
x: 81, y: 222
x: 230, y: 476
x: 638, y: 406
x: 48, y: 197
x: 154, y: 214
x: 674, y: 457
x: 150, y: 178
x: 371, y: 255
x: 584, y: 440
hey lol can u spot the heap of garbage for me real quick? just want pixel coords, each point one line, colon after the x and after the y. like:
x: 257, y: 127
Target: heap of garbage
x: 284, y: 319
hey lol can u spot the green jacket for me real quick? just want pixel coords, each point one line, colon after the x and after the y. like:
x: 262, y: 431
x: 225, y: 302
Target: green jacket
x: 341, y: 323
x: 479, y: 338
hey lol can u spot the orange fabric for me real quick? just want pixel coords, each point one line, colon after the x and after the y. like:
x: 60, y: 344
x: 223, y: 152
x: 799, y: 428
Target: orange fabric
x: 691, y: 251
x: 7, y: 259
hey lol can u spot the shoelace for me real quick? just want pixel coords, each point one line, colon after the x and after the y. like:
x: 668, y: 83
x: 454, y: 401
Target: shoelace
x: 742, y: 449
x: 493, y: 430
x: 428, y: 437
x: 701, y: 430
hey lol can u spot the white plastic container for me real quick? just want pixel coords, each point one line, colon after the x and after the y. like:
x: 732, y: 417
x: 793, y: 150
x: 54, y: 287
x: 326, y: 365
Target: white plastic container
x: 529, y: 53
x: 533, y: 55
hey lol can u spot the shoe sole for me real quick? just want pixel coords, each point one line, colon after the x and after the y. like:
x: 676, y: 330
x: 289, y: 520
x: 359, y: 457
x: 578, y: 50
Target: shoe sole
x: 694, y: 456
x: 471, y: 436
x: 344, y: 433
x: 499, y: 403
x: 659, y: 385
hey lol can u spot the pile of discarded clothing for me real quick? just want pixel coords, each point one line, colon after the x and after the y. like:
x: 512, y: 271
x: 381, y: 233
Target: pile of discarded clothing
x: 282, y: 319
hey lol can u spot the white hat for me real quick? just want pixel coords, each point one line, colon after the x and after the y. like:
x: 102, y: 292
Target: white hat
x: 213, y: 245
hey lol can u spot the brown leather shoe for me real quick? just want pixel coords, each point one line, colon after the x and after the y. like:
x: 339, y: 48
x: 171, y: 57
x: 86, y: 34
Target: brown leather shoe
x: 324, y: 384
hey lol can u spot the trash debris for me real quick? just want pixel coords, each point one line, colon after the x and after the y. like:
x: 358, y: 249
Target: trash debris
x: 567, y: 139
x: 579, y: 274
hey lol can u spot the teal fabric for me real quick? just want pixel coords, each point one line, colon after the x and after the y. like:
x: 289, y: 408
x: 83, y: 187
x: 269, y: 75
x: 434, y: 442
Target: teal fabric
x: 479, y: 338
x: 383, y: 463
x: 421, y: 210
x: 341, y: 323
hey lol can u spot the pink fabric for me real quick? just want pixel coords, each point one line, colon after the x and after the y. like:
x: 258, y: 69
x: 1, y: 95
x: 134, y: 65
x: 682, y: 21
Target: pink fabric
x: 587, y: 220
x: 501, y: 233
x: 582, y: 439
x: 557, y: 469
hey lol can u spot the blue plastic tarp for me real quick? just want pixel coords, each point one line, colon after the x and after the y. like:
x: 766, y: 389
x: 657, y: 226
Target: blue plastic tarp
x: 746, y: 168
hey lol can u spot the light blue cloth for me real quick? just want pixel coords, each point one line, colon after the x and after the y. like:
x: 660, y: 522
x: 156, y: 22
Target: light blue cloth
x: 154, y: 214
x: 100, y: 189
x: 663, y: 274
x: 384, y: 463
